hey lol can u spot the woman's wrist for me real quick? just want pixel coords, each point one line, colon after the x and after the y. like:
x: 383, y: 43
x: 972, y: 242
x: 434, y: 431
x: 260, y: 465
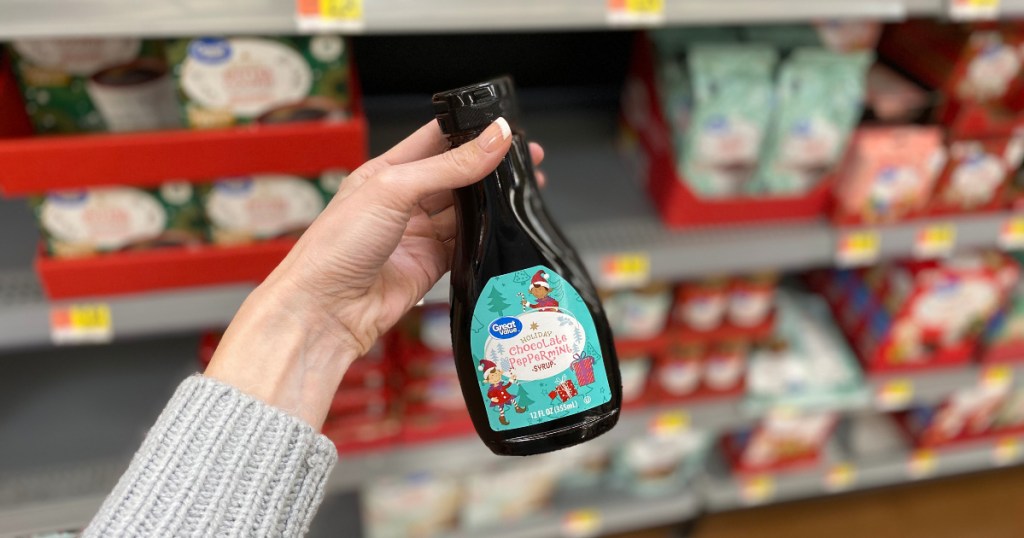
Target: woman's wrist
x: 284, y: 353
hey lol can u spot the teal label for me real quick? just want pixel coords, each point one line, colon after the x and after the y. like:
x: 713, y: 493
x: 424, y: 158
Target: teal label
x: 536, y: 350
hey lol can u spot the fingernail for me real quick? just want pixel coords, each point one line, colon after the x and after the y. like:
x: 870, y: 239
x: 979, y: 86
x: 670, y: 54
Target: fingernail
x: 493, y: 135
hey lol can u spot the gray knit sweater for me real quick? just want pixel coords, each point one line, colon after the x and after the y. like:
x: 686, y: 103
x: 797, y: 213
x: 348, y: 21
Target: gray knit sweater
x: 220, y: 463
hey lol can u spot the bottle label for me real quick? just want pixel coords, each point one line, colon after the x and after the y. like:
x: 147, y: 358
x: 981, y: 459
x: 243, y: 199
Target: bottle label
x: 536, y: 350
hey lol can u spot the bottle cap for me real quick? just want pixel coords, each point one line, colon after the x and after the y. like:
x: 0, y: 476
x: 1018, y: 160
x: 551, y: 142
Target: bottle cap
x: 472, y: 108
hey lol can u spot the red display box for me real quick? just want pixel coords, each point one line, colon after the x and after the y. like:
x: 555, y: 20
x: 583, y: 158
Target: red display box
x: 903, y: 420
x: 34, y: 165
x: 679, y: 206
x: 158, y: 269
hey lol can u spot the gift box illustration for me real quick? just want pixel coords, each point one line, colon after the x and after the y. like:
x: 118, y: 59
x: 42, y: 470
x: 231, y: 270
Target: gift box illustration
x: 564, y: 390
x: 583, y: 367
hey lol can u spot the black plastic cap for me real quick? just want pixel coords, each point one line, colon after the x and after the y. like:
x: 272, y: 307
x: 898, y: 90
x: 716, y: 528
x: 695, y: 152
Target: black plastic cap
x: 472, y: 108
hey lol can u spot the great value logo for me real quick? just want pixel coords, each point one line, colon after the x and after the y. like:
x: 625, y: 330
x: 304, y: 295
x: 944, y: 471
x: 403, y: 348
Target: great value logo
x: 211, y: 50
x: 506, y: 327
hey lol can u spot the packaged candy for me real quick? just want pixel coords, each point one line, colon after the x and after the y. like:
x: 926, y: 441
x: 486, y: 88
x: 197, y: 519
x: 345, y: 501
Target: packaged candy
x: 977, y: 173
x: 732, y: 94
x: 701, y: 306
x: 634, y: 377
x: 780, y: 440
x: 108, y: 219
x: 725, y: 364
x: 751, y: 299
x: 265, y: 206
x: 660, y: 462
x: 889, y: 173
x: 420, y: 505
x: 513, y: 490
x: 237, y: 80
x: 678, y: 371
x: 85, y: 85
x: 820, y: 94
x: 638, y: 314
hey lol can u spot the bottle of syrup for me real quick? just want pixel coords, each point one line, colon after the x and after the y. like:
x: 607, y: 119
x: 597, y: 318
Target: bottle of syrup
x: 533, y: 350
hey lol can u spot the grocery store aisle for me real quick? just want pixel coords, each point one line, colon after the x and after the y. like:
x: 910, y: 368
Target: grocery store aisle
x: 986, y: 505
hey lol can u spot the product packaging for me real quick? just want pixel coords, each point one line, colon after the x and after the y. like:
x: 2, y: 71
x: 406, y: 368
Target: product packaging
x: 780, y: 441
x: 638, y: 314
x: 889, y: 173
x: 678, y: 372
x: 238, y: 80
x: 751, y: 299
x: 634, y: 371
x: 511, y: 491
x: 416, y: 506
x: 266, y: 206
x: 109, y: 219
x: 702, y: 306
x: 977, y: 174
x: 660, y: 462
x: 86, y: 85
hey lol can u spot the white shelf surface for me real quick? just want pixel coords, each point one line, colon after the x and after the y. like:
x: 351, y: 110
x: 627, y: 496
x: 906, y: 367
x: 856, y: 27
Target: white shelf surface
x: 53, y: 18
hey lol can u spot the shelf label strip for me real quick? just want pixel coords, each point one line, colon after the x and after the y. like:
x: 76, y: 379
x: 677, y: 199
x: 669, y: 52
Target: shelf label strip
x: 636, y: 12
x: 86, y: 323
x: 330, y: 15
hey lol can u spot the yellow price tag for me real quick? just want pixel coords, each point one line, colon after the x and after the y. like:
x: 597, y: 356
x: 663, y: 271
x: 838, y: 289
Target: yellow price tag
x: 627, y: 269
x: 935, y: 241
x: 840, y: 476
x: 636, y: 12
x: 87, y: 323
x: 670, y: 423
x: 757, y: 489
x: 973, y: 10
x: 1006, y: 451
x: 921, y: 464
x: 581, y: 523
x: 1011, y: 237
x: 997, y: 377
x: 321, y: 15
x: 857, y: 247
x: 894, y: 394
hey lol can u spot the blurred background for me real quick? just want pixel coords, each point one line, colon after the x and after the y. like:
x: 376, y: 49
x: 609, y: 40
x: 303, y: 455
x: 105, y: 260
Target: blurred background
x: 803, y: 216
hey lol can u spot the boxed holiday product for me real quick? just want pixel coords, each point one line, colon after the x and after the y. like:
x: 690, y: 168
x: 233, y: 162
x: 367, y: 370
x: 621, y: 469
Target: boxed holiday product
x: 585, y: 465
x: 679, y: 371
x: 721, y: 307
x: 109, y: 219
x: 637, y: 314
x: 95, y: 84
x: 634, y: 370
x: 977, y: 69
x: 659, y: 462
x: 977, y: 174
x: 687, y: 370
x: 818, y: 103
x: 970, y: 413
x: 237, y: 80
x: 509, y: 491
x: 712, y: 135
x: 888, y: 174
x: 780, y: 441
x: 808, y: 366
x: 922, y: 314
x: 1004, y: 337
x: 265, y: 206
x: 416, y: 506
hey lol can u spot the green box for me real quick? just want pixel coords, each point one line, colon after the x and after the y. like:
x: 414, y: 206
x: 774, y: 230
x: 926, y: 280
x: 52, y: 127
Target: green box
x: 109, y: 219
x: 238, y: 80
x: 88, y: 85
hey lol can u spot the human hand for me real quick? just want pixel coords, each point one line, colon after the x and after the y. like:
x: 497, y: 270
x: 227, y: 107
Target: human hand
x: 383, y: 241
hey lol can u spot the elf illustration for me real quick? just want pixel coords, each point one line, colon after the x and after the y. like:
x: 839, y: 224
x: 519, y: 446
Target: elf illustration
x: 540, y: 289
x: 498, y: 392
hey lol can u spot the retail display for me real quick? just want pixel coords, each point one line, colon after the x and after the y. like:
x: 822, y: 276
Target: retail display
x: 83, y: 85
x: 109, y: 219
x: 984, y: 412
x: 780, y: 441
x: 235, y: 80
x: 558, y: 342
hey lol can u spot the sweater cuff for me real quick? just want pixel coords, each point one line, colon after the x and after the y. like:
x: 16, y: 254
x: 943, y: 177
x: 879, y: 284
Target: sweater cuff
x: 220, y: 462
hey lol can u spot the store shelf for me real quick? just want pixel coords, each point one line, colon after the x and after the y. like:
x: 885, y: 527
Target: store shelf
x: 54, y: 18
x: 839, y: 473
x: 606, y: 513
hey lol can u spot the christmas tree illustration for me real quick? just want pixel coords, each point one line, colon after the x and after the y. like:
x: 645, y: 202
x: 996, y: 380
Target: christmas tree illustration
x: 496, y: 302
x: 523, y: 398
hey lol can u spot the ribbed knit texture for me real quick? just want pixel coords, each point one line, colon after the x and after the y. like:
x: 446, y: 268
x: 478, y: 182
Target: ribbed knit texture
x: 220, y: 463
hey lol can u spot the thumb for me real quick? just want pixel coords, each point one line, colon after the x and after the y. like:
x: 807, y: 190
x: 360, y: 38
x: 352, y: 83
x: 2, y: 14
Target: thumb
x: 464, y: 165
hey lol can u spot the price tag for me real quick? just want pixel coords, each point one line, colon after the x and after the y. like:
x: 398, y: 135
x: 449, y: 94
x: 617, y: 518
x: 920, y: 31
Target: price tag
x: 628, y: 269
x: 857, y: 247
x: 894, y: 394
x: 757, y: 489
x: 636, y: 12
x: 1011, y: 237
x: 840, y: 477
x: 997, y: 377
x: 921, y: 463
x: 81, y: 324
x: 670, y: 423
x: 973, y: 10
x: 935, y: 241
x: 1006, y: 451
x: 581, y: 523
x: 330, y: 15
